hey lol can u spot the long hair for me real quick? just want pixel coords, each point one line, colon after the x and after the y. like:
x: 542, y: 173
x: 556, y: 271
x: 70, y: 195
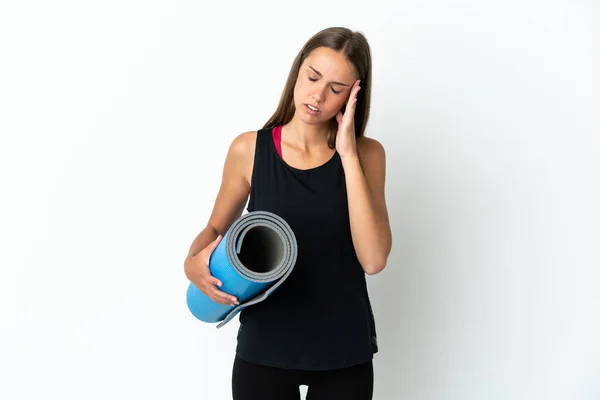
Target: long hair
x: 354, y: 46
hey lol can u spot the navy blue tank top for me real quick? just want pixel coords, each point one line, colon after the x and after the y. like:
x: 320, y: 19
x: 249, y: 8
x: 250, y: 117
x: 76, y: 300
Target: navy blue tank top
x: 320, y: 318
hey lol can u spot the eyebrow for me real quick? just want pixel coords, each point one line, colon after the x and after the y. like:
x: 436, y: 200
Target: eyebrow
x: 321, y: 75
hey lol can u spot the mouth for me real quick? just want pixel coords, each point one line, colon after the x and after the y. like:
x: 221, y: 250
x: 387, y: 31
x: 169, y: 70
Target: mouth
x: 312, y: 108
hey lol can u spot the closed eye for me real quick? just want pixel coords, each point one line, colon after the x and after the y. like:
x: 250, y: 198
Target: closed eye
x: 332, y: 89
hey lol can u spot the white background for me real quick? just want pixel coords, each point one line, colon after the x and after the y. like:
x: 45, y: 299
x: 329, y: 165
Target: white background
x: 116, y: 117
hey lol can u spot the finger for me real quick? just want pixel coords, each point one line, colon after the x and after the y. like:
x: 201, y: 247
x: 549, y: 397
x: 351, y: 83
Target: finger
x: 222, y: 297
x: 215, y: 294
x: 355, y: 92
x: 355, y: 88
x: 210, y: 280
x: 353, y: 96
x: 218, y: 294
x: 353, y: 106
x: 350, y: 108
x: 214, y: 281
x: 356, y: 95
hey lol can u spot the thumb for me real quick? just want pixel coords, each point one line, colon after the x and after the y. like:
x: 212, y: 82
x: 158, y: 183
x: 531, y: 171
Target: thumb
x: 216, y: 242
x: 339, y: 117
x: 212, y: 247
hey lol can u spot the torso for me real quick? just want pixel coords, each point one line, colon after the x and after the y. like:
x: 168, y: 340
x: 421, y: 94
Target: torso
x: 320, y: 318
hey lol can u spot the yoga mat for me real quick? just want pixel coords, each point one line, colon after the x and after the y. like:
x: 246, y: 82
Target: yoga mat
x: 253, y: 259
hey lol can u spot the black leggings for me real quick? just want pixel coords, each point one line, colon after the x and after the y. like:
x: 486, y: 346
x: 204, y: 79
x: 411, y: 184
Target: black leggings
x: 257, y: 382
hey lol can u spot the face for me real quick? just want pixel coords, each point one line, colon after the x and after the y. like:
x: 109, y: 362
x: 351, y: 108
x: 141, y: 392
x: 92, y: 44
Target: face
x: 324, y: 82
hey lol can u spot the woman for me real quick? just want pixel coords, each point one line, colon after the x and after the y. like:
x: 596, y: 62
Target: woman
x: 311, y: 165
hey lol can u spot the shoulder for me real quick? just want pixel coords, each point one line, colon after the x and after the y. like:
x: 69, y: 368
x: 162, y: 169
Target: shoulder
x: 369, y: 150
x: 241, y: 153
x: 242, y: 146
x: 244, y: 143
x: 371, y: 156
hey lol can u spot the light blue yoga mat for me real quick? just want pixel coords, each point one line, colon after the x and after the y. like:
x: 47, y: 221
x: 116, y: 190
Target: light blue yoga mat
x: 255, y: 256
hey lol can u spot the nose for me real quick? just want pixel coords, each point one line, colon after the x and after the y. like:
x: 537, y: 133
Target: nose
x: 318, y: 94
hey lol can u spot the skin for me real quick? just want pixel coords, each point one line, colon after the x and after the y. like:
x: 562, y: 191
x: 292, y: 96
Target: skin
x: 327, y: 81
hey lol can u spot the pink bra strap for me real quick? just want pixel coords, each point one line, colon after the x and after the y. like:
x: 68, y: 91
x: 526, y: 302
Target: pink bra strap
x: 277, y: 139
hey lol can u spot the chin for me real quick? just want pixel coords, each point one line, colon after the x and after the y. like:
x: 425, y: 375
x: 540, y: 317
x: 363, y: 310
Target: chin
x: 315, y: 122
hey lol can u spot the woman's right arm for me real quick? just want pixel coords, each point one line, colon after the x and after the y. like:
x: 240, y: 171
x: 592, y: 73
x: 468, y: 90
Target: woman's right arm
x: 229, y: 205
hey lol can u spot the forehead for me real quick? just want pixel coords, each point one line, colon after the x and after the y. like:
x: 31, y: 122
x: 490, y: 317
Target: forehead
x: 332, y: 64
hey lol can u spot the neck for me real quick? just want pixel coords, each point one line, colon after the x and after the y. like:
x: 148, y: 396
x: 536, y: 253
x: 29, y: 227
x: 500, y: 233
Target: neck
x: 306, y: 136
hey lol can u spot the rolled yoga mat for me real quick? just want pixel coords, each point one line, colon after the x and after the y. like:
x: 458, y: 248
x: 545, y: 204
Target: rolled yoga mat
x: 253, y: 259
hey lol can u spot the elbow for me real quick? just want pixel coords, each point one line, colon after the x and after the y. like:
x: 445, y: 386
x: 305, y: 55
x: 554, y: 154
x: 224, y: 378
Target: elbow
x: 375, y: 261
x: 374, y: 267
x: 373, y: 270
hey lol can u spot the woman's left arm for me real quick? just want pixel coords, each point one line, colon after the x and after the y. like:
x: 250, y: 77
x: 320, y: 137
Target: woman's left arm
x: 364, y: 165
x: 369, y: 222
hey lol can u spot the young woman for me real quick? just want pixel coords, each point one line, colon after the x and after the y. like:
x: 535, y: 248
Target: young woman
x: 312, y: 165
